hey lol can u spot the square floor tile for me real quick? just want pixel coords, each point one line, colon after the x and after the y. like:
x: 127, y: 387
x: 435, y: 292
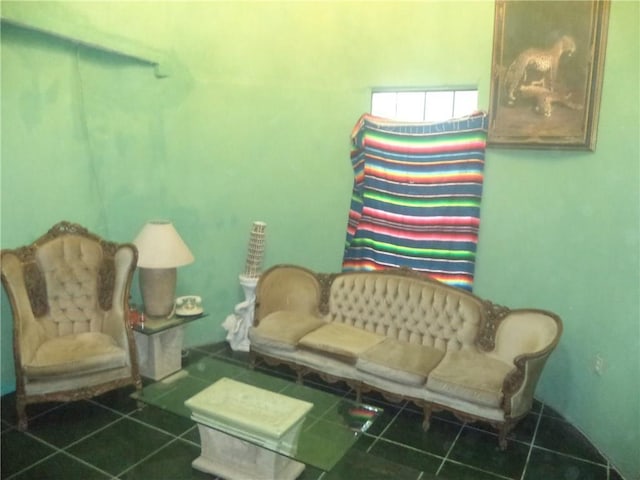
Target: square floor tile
x: 192, y: 435
x: 19, y: 450
x: 550, y: 412
x: 323, y: 445
x: 383, y: 421
x: 10, y: 415
x: 614, y: 475
x: 119, y: 400
x: 281, y: 371
x: 360, y: 465
x: 311, y: 473
x: 129, y: 442
x: 376, y: 400
x: 398, y: 454
x: 547, y: 464
x: 263, y: 380
x: 71, y: 422
x: 337, y: 388
x: 171, y: 462
x: 60, y: 466
x: 211, y: 371
x: 210, y: 349
x: 407, y: 429
x: 558, y: 435
x: 457, y: 471
x: 193, y: 355
x: 480, y: 449
x: 170, y: 393
x: 4, y: 426
x: 228, y: 353
x: 324, y: 403
x: 167, y: 421
x: 522, y: 432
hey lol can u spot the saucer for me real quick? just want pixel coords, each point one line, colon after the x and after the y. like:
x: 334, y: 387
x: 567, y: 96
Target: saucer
x: 189, y: 312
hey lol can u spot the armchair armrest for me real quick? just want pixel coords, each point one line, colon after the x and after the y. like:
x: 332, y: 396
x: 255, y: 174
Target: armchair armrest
x: 29, y: 334
x: 525, y: 338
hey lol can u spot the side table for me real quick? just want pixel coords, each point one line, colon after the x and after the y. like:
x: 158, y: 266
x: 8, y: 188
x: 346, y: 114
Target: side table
x: 159, y: 344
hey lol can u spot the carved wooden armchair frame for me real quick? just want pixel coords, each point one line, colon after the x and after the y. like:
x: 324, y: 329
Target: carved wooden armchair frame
x: 69, y: 292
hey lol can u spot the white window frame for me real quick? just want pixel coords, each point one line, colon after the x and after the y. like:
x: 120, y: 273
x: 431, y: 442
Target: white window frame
x: 424, y: 104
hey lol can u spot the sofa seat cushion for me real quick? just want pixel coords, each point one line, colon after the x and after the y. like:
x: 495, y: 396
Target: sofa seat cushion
x: 75, y: 354
x: 283, y: 329
x: 340, y: 340
x: 471, y: 376
x: 403, y: 362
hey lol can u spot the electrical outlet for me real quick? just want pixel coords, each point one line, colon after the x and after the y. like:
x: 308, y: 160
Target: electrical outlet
x: 598, y: 364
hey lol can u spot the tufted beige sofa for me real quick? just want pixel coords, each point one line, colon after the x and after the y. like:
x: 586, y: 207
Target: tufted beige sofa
x: 406, y: 336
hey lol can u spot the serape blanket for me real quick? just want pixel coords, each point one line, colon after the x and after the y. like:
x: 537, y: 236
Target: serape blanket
x: 416, y: 196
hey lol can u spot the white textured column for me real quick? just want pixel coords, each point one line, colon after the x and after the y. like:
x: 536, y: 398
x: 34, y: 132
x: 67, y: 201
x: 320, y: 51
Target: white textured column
x: 238, y: 324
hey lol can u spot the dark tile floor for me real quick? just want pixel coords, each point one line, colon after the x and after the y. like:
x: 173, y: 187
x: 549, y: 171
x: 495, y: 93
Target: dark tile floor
x: 110, y: 438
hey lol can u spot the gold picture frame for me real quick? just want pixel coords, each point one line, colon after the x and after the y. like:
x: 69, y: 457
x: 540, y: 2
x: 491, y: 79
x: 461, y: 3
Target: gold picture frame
x: 546, y: 73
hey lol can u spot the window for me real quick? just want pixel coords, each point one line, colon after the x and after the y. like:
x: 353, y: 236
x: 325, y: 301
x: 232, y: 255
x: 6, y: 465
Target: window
x: 424, y: 105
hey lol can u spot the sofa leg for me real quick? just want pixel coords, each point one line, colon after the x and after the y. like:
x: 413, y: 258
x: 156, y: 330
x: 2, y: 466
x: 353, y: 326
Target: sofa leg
x: 426, y: 423
x: 21, y: 409
x: 502, y: 439
x: 503, y: 431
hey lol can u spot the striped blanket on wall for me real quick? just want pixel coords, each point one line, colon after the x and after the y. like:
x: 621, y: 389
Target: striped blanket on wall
x: 416, y: 196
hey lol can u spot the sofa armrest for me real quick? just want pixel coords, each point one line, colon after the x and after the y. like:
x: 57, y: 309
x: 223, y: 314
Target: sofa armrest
x: 289, y: 288
x: 525, y: 338
x: 520, y: 384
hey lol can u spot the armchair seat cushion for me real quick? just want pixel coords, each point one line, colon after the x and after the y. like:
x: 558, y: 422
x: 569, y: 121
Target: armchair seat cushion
x: 75, y: 354
x: 403, y: 362
x: 470, y: 375
x: 340, y: 340
x: 283, y: 329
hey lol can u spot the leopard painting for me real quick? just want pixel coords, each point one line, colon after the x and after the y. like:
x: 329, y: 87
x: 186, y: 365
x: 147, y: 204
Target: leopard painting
x: 541, y: 64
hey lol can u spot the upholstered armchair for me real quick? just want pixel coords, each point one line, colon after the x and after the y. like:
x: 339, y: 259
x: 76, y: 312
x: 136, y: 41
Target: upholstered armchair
x: 69, y: 297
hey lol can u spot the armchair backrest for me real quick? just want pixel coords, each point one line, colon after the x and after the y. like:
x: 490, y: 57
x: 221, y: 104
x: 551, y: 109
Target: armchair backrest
x: 71, y: 266
x: 72, y: 279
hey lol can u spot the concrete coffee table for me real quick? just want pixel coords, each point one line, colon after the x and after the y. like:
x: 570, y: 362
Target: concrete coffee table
x: 242, y: 429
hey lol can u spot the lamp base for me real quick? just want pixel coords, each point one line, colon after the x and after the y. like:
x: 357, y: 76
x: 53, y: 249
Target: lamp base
x: 158, y: 289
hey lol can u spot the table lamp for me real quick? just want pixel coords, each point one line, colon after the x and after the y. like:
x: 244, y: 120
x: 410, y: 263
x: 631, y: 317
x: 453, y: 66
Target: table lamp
x: 160, y: 251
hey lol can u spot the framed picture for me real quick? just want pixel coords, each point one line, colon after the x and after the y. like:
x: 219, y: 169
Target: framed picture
x: 547, y: 68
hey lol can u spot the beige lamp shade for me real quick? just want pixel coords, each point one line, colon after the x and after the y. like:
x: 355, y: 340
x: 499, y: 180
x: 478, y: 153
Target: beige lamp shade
x: 160, y: 246
x: 160, y: 251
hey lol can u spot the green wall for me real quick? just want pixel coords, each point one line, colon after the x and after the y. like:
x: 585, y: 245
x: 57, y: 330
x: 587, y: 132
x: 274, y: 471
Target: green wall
x: 248, y: 118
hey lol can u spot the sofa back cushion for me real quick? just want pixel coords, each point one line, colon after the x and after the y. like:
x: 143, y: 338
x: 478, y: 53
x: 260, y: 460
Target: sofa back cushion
x: 414, y: 310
